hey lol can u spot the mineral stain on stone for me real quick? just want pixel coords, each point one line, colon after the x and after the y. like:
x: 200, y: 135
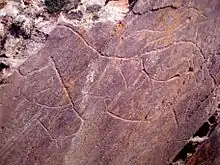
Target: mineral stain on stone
x: 2, y: 3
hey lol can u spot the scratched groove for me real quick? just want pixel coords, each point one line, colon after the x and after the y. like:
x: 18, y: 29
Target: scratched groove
x: 134, y: 91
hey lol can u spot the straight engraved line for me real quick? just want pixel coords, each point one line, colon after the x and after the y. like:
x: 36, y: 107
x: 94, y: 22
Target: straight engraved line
x: 47, y: 131
x: 42, y: 105
x: 65, y: 89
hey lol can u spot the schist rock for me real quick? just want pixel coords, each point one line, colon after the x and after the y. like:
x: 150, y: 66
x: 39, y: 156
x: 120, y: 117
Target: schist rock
x: 116, y: 82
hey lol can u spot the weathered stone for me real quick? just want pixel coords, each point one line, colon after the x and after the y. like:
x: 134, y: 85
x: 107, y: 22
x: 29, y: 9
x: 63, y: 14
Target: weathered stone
x: 143, y: 90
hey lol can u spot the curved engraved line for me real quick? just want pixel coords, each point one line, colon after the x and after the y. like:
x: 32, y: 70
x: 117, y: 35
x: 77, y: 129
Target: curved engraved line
x: 125, y: 120
x: 157, y: 80
x: 194, y: 44
x: 92, y: 48
x: 34, y: 71
x: 156, y: 50
x: 173, y: 31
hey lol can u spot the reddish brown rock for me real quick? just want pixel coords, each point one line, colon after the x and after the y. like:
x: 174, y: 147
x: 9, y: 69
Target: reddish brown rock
x: 2, y: 3
x: 142, y: 91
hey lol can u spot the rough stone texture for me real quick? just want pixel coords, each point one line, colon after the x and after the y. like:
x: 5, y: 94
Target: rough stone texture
x: 138, y: 91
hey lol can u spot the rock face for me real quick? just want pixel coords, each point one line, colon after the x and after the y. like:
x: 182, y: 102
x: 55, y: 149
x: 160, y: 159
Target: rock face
x: 140, y: 90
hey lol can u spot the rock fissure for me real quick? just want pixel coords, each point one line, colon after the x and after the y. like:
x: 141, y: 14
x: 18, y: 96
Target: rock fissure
x: 201, y: 135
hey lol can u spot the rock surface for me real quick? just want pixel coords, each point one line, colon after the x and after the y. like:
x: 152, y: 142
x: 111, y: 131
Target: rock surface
x: 118, y: 82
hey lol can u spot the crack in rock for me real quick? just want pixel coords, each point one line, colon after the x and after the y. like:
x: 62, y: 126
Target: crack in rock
x: 201, y: 135
x: 156, y: 9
